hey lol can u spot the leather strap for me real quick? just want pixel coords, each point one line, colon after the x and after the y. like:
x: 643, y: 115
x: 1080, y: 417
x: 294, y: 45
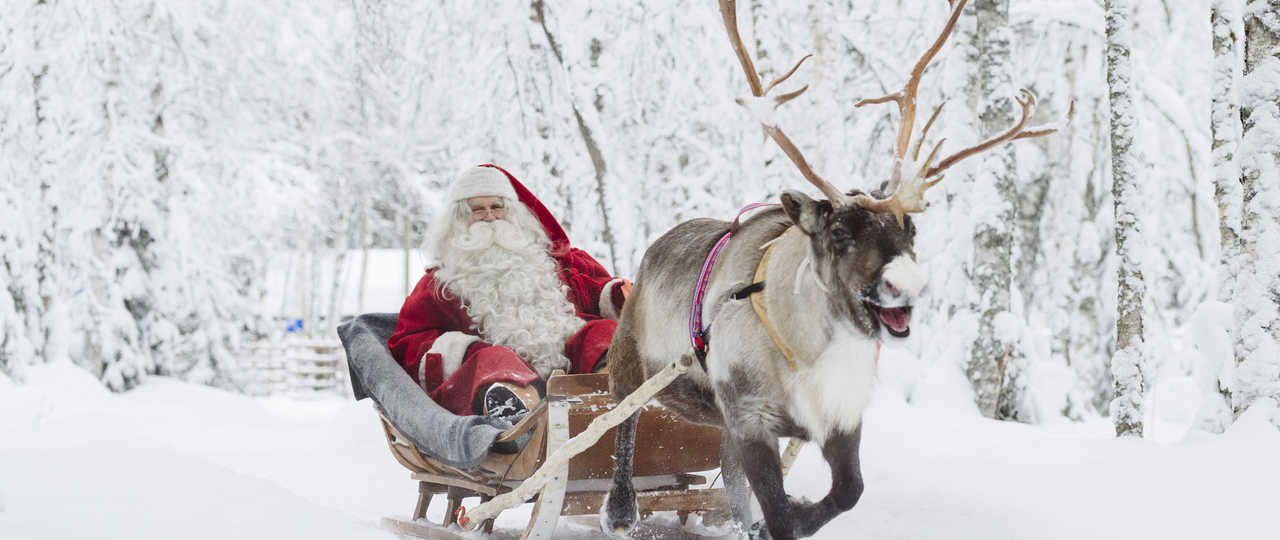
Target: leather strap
x: 698, y: 334
x: 757, y: 303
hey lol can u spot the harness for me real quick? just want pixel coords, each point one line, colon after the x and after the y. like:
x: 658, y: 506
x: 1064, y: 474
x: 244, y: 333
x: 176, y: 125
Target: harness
x: 757, y: 303
x: 699, y: 335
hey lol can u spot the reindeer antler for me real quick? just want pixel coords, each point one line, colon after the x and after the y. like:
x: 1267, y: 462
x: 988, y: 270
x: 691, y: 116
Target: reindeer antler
x: 907, y: 196
x: 728, y: 10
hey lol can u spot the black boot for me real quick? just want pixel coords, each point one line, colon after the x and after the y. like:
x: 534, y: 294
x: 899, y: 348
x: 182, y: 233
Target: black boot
x: 501, y: 402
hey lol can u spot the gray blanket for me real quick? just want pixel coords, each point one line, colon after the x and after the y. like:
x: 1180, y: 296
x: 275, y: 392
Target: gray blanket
x: 459, y: 441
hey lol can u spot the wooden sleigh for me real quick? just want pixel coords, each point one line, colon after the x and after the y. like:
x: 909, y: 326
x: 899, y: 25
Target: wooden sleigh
x: 669, y: 450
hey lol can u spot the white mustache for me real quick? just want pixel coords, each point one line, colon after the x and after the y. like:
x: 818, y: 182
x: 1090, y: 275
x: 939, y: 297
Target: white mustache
x: 486, y: 234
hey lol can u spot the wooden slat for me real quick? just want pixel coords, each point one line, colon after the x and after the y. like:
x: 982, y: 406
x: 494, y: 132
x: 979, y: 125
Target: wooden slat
x: 693, y: 500
x: 456, y: 482
x: 665, y: 443
x: 426, y: 492
x: 546, y: 514
x: 691, y: 479
x: 579, y: 385
x: 641, y: 483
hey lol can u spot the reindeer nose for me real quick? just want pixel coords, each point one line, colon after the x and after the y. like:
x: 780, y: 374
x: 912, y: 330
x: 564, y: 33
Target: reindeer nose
x: 902, y: 278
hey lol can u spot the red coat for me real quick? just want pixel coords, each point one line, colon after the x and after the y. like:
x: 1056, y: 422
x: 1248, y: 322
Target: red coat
x: 427, y: 316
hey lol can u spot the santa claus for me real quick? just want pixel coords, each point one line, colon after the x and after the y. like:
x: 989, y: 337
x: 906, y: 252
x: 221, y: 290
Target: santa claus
x: 508, y: 302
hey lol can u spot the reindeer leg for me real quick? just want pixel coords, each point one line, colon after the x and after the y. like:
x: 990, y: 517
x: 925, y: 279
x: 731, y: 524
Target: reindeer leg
x: 759, y: 455
x: 735, y: 482
x: 841, y: 453
x: 620, y: 512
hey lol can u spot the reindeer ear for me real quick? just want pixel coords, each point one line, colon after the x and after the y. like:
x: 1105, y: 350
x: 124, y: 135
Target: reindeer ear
x: 803, y: 211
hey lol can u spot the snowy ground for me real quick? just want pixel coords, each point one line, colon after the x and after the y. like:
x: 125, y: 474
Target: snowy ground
x: 172, y: 460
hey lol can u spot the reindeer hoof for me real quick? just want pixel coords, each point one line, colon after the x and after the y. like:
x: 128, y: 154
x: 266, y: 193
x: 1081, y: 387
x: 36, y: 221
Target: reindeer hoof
x: 618, y: 515
x: 759, y: 531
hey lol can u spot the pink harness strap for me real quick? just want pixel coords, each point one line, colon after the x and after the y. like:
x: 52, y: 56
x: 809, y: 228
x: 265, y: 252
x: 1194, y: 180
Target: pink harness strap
x: 697, y: 332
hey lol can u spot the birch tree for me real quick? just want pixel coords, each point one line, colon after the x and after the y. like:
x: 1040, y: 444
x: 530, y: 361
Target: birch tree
x: 45, y: 135
x: 996, y: 366
x: 586, y: 119
x: 23, y: 67
x: 1256, y: 303
x: 1225, y: 129
x: 1127, y: 362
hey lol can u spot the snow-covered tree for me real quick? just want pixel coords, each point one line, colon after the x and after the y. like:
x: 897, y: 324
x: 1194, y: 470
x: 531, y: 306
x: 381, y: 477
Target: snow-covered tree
x: 587, y: 102
x: 23, y: 120
x: 1225, y: 129
x: 997, y: 368
x: 1127, y: 364
x: 1256, y: 298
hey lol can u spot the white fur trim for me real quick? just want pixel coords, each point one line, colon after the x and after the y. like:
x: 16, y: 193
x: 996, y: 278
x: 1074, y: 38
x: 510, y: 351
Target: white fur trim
x: 452, y: 348
x: 607, y: 309
x: 422, y: 372
x: 481, y: 182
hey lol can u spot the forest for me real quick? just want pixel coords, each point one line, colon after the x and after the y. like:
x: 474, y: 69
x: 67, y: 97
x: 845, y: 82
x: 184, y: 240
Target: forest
x: 157, y: 157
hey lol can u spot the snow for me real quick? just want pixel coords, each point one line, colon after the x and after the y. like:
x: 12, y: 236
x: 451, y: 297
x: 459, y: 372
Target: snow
x: 172, y: 459
x: 296, y: 133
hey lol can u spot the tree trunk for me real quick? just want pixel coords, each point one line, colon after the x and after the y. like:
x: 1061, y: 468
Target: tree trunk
x: 1257, y: 293
x: 1225, y: 126
x: 46, y: 258
x: 1128, y: 362
x: 996, y: 367
x: 593, y: 147
x: 160, y: 347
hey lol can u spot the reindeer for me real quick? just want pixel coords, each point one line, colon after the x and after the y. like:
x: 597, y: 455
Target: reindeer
x: 839, y: 277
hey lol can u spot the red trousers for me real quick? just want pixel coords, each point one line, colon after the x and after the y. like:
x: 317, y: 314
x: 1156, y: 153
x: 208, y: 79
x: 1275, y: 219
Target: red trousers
x: 486, y: 364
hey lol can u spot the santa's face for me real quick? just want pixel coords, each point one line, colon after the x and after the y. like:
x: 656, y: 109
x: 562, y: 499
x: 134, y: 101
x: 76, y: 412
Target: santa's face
x: 486, y: 209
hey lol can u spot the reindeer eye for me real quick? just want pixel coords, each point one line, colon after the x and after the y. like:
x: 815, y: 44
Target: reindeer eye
x: 840, y: 234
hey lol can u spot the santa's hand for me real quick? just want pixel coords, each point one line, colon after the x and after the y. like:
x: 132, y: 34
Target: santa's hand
x: 626, y: 288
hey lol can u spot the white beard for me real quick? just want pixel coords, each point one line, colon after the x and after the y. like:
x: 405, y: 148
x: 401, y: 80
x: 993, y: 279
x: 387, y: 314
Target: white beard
x: 509, y: 286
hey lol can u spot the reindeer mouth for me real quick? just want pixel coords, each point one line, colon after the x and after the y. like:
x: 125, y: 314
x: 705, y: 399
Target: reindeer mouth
x: 897, y: 320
